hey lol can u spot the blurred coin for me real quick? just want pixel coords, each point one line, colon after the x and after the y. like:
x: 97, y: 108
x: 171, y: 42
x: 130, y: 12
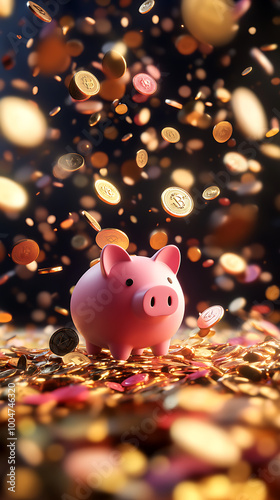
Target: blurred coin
x: 75, y: 357
x: 158, y: 239
x: 107, y: 192
x: 91, y: 220
x: 112, y: 236
x: 71, y: 162
x: 94, y: 119
x: 272, y: 132
x: 12, y: 195
x: 209, y: 21
x: 50, y: 270
x: 174, y: 104
x: 249, y: 113
x: 39, y: 12
x: 63, y: 341
x: 94, y: 262
x: 235, y: 162
x: 141, y: 158
x: 170, y: 134
x: 222, y: 132
x: 114, y: 64
x: 210, y: 316
x: 232, y: 263
x: 144, y: 84
x: 211, y: 193
x: 146, y: 6
x: 25, y: 251
x: 177, y: 202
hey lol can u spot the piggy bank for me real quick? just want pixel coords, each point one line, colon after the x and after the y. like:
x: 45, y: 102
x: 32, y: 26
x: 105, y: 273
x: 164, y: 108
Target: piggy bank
x: 126, y: 303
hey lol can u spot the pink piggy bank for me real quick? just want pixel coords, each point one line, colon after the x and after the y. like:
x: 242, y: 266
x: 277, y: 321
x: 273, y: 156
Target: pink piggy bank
x: 126, y: 303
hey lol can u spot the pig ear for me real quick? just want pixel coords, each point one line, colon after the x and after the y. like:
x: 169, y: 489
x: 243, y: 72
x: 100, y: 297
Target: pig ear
x: 111, y: 255
x: 169, y: 255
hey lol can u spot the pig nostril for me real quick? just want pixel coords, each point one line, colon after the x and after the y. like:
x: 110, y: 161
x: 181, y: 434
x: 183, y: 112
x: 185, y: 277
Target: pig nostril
x: 169, y: 300
x: 152, y: 301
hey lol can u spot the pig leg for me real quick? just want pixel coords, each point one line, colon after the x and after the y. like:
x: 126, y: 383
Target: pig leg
x: 120, y: 351
x: 92, y: 349
x: 137, y: 351
x: 161, y: 349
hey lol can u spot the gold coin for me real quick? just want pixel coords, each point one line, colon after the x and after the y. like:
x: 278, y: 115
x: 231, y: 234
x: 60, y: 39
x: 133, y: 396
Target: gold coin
x: 121, y: 109
x: 211, y: 193
x: 170, y: 134
x: 177, y: 202
x: 246, y: 71
x: 141, y: 158
x: 94, y: 262
x: 222, y: 132
x: 25, y: 251
x: 71, y: 162
x: 75, y: 357
x: 232, y: 263
x: 50, y: 270
x: 146, y: 6
x: 39, y: 12
x: 94, y: 119
x: 107, y: 192
x: 272, y: 132
x: 12, y: 195
x: 114, y: 64
x: 158, y: 239
x: 112, y: 236
x: 83, y: 85
x: 91, y: 220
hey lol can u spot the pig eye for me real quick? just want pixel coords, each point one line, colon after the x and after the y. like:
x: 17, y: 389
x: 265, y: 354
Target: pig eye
x: 129, y: 282
x: 170, y: 280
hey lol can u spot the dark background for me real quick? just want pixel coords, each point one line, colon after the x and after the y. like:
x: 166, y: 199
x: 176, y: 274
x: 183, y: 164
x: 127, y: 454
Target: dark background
x: 197, y: 282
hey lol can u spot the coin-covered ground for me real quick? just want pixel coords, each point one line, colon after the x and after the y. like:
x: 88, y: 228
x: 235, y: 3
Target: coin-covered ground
x: 200, y: 423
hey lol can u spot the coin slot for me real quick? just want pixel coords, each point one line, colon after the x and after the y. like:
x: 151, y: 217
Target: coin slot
x: 169, y: 300
x: 152, y: 301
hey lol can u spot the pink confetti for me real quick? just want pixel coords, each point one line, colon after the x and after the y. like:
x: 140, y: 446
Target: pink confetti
x: 139, y: 378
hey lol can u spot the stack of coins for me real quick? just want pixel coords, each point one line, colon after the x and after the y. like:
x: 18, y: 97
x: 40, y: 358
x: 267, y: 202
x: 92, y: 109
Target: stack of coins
x: 83, y: 85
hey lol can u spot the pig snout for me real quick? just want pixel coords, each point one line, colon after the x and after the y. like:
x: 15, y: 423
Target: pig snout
x: 157, y: 301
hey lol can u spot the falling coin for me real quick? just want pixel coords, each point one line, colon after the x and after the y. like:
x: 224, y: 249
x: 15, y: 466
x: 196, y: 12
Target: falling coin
x: 114, y: 64
x: 63, y: 341
x: 91, y: 220
x: 146, y: 6
x: 170, y: 134
x: 232, y: 263
x: 246, y: 71
x: 94, y: 119
x: 210, y: 316
x: 158, y: 239
x: 112, y: 236
x: 177, y: 202
x: 39, y: 12
x: 83, y: 85
x: 107, y: 192
x: 144, y: 84
x: 222, y: 132
x: 141, y: 158
x: 211, y: 193
x: 71, y: 162
x: 272, y: 132
x: 50, y: 270
x: 75, y: 357
x: 25, y: 251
